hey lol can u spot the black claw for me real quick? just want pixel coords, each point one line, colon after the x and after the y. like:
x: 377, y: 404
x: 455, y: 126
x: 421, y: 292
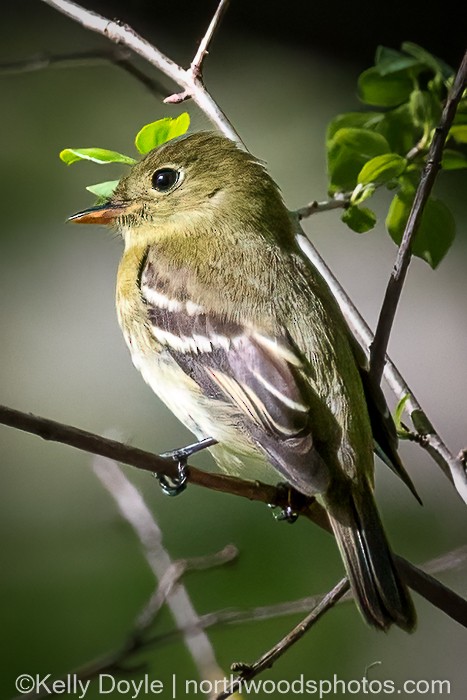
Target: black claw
x: 286, y: 514
x: 174, y: 486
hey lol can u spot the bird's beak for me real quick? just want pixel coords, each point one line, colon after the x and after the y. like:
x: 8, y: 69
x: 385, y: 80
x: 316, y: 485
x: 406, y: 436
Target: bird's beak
x: 102, y: 214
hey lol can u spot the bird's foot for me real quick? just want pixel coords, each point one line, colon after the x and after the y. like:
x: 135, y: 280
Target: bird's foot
x: 286, y: 513
x: 173, y: 486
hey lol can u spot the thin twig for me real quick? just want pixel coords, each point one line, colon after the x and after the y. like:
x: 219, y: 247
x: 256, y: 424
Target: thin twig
x: 119, y: 57
x: 253, y: 490
x: 203, y: 48
x: 123, y: 34
x: 454, y: 560
x: 196, y: 66
x: 138, y: 640
x: 171, y: 579
x: 404, y: 254
x: 339, y: 201
x: 43, y: 60
x: 247, y: 672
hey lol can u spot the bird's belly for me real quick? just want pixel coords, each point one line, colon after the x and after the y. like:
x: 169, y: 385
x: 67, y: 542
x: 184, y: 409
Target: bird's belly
x: 172, y: 386
x: 235, y: 454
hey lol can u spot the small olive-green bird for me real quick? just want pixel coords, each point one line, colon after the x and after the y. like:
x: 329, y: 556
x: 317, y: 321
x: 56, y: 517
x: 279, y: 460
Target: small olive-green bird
x: 233, y: 328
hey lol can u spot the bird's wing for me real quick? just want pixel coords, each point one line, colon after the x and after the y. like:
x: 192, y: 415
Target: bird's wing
x: 261, y: 376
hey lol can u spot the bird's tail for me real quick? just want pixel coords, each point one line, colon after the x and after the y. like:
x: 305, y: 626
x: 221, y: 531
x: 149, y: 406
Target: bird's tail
x: 381, y: 596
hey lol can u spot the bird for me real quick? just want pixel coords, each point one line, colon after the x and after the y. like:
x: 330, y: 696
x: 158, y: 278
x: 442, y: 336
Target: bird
x: 238, y: 334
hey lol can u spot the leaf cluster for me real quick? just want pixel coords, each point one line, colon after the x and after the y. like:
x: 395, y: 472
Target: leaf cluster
x: 387, y: 145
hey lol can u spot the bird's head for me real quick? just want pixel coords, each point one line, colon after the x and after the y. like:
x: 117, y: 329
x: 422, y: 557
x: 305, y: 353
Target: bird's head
x: 201, y: 181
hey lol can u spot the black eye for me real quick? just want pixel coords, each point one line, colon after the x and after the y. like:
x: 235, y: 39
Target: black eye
x: 164, y: 179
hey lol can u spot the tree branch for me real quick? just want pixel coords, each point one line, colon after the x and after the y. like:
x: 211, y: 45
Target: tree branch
x: 123, y: 34
x: 140, y: 459
x: 247, y: 672
x: 431, y: 589
x: 404, y: 254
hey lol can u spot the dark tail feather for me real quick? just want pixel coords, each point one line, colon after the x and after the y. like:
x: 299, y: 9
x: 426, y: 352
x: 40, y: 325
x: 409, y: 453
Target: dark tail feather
x: 381, y: 595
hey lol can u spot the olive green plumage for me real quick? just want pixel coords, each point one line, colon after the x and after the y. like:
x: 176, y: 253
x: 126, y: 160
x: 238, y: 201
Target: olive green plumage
x: 235, y: 330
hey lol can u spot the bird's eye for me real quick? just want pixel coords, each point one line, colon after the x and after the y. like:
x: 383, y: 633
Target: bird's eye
x: 164, y: 179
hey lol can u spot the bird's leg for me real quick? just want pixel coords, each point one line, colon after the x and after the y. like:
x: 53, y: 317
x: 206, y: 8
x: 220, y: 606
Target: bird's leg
x: 174, y: 486
x: 287, y: 513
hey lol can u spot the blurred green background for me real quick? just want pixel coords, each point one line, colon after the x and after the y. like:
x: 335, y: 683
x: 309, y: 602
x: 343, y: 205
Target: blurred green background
x: 73, y: 576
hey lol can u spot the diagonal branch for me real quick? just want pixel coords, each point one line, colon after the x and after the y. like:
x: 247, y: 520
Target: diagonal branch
x: 247, y: 672
x: 123, y: 34
x: 427, y: 180
x: 203, y: 48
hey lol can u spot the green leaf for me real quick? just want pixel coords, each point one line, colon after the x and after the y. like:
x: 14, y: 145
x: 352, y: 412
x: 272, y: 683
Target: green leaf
x: 453, y: 160
x: 427, y: 59
x: 158, y: 132
x: 347, y: 154
x: 381, y: 169
x: 391, y: 61
x: 359, y: 120
x: 435, y: 233
x: 96, y: 155
x: 103, y: 190
x: 459, y: 133
x: 384, y: 90
x: 362, y: 142
x: 359, y: 219
x: 343, y: 169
